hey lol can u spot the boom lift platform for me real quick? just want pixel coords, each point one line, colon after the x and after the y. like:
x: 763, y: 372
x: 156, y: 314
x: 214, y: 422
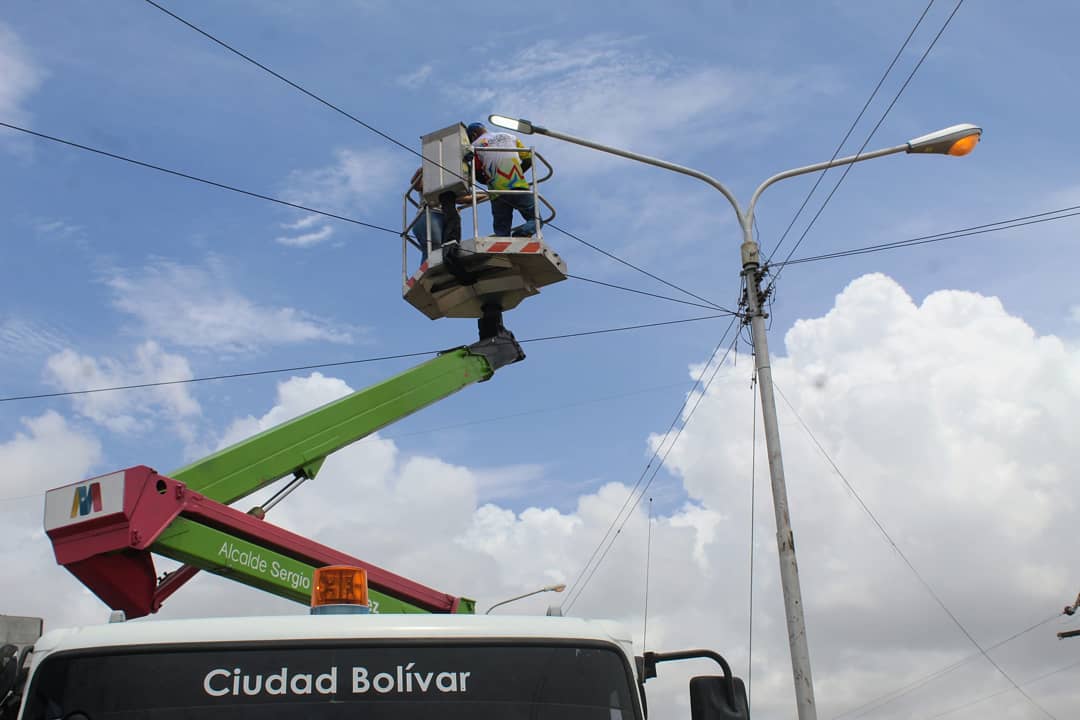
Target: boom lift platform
x: 482, y: 274
x: 106, y: 529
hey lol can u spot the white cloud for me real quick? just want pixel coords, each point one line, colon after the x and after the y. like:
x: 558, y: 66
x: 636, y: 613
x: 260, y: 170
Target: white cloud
x: 953, y: 419
x: 48, y: 454
x: 129, y: 411
x: 20, y: 77
x: 351, y: 183
x: 306, y: 239
x: 643, y: 97
x: 31, y: 460
x: 416, y: 78
x: 196, y: 307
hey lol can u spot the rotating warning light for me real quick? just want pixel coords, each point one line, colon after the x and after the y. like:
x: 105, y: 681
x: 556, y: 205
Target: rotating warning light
x: 957, y: 140
x: 339, y: 589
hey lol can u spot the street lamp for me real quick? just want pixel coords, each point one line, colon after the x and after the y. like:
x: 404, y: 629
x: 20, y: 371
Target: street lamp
x: 547, y: 588
x: 956, y: 140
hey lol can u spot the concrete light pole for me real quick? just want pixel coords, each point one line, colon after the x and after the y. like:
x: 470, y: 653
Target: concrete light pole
x: 956, y: 140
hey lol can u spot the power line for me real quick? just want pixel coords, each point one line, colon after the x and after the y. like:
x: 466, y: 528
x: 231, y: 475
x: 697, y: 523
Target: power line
x: 253, y: 373
x: 948, y: 235
x: 635, y: 267
x: 481, y: 421
x: 325, y: 213
x: 196, y: 178
x: 821, y: 175
x: 888, y: 538
x: 642, y: 292
x: 753, y: 508
x: 284, y: 79
x: 868, y: 138
x: 897, y: 693
x: 582, y: 579
x: 1002, y: 692
x: 391, y: 139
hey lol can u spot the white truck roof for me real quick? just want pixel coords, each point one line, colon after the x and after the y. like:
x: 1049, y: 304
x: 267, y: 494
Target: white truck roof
x: 331, y: 627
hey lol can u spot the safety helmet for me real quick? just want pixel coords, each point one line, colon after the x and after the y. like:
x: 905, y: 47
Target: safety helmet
x: 475, y: 130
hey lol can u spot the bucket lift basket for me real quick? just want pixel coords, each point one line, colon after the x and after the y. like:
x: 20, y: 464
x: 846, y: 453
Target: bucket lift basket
x: 460, y: 279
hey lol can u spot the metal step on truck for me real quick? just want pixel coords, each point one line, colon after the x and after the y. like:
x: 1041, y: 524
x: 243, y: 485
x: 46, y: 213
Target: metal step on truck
x: 373, y: 644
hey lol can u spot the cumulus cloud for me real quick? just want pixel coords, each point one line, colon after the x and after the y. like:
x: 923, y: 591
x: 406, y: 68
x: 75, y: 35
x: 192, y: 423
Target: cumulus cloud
x: 953, y: 420
x: 32, y: 463
x: 46, y: 453
x: 130, y: 411
x: 197, y: 307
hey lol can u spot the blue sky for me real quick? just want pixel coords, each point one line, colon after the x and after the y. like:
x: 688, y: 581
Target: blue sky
x: 117, y: 274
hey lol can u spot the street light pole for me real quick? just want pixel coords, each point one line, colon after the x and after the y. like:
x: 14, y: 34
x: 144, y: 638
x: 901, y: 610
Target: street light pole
x: 955, y: 140
x: 547, y: 588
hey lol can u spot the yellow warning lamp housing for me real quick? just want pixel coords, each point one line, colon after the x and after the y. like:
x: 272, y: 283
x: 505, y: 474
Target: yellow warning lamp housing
x: 957, y: 140
x: 339, y: 589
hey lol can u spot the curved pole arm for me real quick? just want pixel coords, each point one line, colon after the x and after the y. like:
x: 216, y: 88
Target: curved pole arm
x: 819, y: 166
x: 645, y: 159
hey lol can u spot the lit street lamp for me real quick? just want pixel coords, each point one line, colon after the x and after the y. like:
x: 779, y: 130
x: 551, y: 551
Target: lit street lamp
x: 956, y: 140
x: 547, y: 588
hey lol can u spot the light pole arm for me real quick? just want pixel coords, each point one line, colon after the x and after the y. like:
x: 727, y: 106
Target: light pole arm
x: 820, y: 166
x: 549, y: 588
x: 648, y: 160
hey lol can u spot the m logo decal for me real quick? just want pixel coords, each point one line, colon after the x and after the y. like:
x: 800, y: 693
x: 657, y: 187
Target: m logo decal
x: 87, y: 500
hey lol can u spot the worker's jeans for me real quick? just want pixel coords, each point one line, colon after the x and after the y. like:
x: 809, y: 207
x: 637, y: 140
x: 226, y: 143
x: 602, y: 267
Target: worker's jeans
x: 420, y: 230
x: 502, y: 214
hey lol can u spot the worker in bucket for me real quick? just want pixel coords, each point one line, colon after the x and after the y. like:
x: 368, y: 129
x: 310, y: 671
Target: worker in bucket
x: 444, y: 218
x: 504, y: 171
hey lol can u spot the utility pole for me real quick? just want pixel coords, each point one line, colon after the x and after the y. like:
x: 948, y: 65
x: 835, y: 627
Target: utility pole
x: 956, y: 140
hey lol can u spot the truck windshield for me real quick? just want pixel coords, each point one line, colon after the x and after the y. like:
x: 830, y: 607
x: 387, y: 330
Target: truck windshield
x: 271, y: 681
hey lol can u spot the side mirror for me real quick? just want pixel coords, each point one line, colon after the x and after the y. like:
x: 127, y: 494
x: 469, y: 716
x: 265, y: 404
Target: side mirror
x: 713, y: 697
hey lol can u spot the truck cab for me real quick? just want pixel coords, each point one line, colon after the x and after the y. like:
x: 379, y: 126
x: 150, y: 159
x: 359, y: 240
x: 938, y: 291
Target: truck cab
x: 335, y: 666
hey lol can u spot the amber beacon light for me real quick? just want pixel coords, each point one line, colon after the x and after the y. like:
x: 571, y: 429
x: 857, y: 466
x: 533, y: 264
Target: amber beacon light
x: 339, y: 589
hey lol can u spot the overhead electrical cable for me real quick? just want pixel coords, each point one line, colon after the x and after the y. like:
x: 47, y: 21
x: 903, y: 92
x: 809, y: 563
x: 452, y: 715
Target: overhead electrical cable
x: 596, y: 558
x: 305, y: 208
x: 976, y: 701
x: 1059, y: 214
x: 489, y: 421
x: 652, y: 477
x: 195, y: 178
x: 911, y: 566
x: 866, y: 142
x: 252, y: 373
x: 753, y: 509
x: 851, y: 128
x: 634, y: 267
x: 390, y: 138
x: 897, y: 693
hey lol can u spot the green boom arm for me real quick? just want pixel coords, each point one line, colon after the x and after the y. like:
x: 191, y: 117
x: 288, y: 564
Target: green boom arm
x: 299, y: 447
x: 233, y: 544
